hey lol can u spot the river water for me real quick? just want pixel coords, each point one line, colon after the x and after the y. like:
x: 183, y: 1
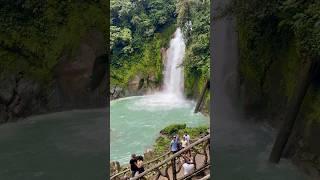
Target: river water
x: 137, y: 121
x: 64, y: 145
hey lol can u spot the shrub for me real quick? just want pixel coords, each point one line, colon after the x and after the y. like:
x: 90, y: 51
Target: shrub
x: 173, y: 129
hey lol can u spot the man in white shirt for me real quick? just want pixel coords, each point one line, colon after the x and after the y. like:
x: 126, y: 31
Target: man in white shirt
x: 187, y: 137
x: 188, y: 166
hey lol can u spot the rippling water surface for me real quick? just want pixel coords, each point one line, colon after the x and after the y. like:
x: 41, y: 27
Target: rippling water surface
x: 137, y: 121
x: 64, y: 145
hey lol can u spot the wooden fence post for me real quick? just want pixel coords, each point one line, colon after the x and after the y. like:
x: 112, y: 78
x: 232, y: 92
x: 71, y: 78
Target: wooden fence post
x: 174, y: 171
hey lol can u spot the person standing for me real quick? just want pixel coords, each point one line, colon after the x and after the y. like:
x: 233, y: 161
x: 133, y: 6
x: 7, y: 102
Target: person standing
x: 184, y: 143
x: 174, y: 145
x: 188, y: 165
x: 187, y: 137
x: 133, y: 165
x: 140, y: 168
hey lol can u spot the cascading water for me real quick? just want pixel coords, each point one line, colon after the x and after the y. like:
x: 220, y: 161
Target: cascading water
x: 173, y: 74
x: 137, y: 121
x: 171, y: 95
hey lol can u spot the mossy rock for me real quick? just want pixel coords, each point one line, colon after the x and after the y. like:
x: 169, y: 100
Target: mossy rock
x: 162, y: 143
x: 173, y: 129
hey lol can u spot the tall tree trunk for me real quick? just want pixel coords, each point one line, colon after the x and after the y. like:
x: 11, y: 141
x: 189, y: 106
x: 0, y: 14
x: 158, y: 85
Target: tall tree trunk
x: 203, y: 92
x: 301, y: 89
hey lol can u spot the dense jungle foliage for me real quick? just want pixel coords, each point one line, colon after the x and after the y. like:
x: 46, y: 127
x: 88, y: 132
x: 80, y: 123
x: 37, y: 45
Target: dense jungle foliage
x: 34, y: 34
x: 194, y: 18
x: 276, y: 36
x: 139, y: 29
x: 277, y: 39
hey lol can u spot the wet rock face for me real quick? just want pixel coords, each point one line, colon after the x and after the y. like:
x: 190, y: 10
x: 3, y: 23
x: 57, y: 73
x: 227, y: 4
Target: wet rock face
x: 116, y: 92
x: 309, y: 150
x: 163, y: 52
x: 81, y: 80
x: 137, y: 85
x: 19, y: 97
x: 140, y: 85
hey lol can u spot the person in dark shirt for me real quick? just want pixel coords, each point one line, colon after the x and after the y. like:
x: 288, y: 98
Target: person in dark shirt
x: 133, y: 165
x: 140, y: 164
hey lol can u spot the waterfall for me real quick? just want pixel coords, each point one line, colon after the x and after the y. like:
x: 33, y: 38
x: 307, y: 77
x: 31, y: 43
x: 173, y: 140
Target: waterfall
x: 171, y: 95
x: 173, y: 73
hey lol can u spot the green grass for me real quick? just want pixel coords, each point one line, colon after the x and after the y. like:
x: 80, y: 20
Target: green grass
x: 162, y: 143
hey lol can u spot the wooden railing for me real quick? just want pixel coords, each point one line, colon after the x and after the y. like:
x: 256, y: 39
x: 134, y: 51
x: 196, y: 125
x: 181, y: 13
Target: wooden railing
x: 197, y: 172
x: 127, y: 172
x: 206, y: 177
x: 200, y: 155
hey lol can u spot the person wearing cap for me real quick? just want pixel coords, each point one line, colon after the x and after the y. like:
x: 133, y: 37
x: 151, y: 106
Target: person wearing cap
x: 174, y: 145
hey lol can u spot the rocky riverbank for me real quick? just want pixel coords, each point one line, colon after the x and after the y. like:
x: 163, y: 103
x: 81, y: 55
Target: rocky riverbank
x: 78, y: 81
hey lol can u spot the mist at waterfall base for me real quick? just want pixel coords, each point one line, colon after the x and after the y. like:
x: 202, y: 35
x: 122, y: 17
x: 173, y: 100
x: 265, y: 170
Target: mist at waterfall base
x: 63, y: 145
x: 241, y: 146
x: 136, y: 121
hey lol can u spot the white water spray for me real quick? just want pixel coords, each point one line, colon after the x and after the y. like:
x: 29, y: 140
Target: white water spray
x: 171, y: 95
x: 173, y: 74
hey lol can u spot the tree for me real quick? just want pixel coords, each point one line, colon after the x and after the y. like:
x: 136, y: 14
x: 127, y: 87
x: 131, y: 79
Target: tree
x: 266, y: 29
x: 303, y: 17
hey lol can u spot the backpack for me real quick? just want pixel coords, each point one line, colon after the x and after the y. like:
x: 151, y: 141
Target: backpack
x: 179, y: 144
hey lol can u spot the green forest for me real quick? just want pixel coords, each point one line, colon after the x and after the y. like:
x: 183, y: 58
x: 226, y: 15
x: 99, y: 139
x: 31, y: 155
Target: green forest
x: 39, y: 42
x: 279, y: 43
x: 139, y: 29
x: 34, y: 35
x: 54, y: 56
